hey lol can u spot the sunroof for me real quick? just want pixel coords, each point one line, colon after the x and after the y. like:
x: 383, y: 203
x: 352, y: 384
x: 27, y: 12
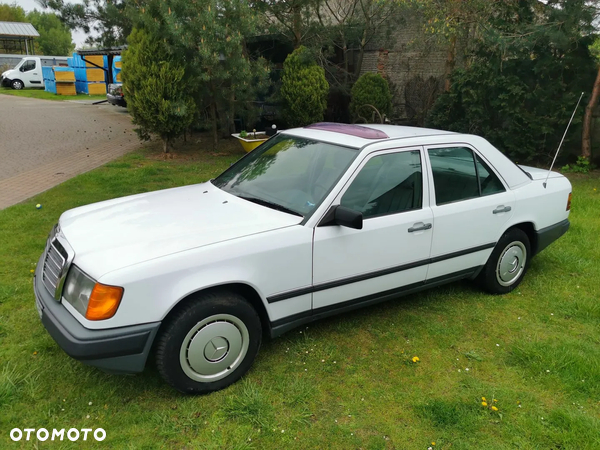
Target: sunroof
x: 352, y: 130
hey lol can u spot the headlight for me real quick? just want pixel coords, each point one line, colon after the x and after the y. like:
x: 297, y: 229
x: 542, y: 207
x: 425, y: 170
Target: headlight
x: 77, y: 289
x: 92, y: 300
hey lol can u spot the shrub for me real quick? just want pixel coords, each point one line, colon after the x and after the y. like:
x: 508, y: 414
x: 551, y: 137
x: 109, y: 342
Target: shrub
x: 304, y: 89
x: 370, y: 91
x: 154, y: 85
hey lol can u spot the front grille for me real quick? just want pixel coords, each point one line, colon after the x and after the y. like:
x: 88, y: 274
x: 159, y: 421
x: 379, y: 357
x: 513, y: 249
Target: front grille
x: 54, y: 265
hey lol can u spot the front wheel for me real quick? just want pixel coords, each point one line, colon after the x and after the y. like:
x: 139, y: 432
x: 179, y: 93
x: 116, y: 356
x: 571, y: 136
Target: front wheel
x: 209, y: 343
x: 17, y: 85
x: 508, y: 263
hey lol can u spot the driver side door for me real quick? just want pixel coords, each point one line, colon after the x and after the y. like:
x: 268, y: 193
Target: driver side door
x: 31, y: 73
x: 390, y: 254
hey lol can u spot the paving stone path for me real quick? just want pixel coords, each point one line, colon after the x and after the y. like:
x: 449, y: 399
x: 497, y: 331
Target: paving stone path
x: 43, y: 143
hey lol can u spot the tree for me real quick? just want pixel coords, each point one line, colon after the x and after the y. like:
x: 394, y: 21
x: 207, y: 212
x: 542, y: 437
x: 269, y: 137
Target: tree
x: 12, y: 13
x: 370, y: 93
x: 451, y: 21
x: 348, y: 25
x: 293, y: 19
x: 304, y: 89
x: 110, y: 20
x: 208, y: 37
x: 524, y: 80
x: 586, y: 135
x: 55, y: 37
x: 153, y: 82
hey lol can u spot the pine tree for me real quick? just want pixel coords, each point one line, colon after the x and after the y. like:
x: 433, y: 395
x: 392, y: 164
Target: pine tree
x: 156, y: 90
x: 304, y: 89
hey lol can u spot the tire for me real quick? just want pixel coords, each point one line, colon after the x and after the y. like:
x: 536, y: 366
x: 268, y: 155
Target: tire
x: 507, y: 264
x: 17, y: 85
x: 208, y: 343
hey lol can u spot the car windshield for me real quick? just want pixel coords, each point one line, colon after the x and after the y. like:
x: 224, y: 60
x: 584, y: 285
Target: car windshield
x: 287, y: 173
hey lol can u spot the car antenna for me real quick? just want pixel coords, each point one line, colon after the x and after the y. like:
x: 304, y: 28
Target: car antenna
x: 562, y: 140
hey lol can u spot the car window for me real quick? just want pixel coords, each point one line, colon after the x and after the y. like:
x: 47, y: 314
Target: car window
x: 28, y: 65
x: 490, y: 183
x: 291, y: 172
x: 459, y: 175
x: 387, y: 184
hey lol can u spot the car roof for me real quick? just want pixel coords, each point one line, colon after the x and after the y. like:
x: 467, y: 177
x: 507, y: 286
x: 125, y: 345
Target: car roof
x: 357, y: 136
x: 360, y: 136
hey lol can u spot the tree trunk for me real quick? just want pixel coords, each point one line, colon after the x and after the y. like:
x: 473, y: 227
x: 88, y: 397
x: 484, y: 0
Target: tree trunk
x: 450, y: 62
x: 361, y: 54
x: 165, y: 145
x: 213, y: 116
x: 297, y: 25
x: 586, y: 139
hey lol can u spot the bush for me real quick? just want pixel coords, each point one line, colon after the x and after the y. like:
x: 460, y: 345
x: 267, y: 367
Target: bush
x: 304, y: 89
x: 154, y: 85
x: 370, y: 91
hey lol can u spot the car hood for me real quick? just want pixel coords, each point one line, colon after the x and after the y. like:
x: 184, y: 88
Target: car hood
x: 110, y: 235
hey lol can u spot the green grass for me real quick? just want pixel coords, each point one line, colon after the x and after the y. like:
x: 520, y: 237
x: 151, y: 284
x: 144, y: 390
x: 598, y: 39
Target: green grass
x: 41, y: 94
x: 344, y: 382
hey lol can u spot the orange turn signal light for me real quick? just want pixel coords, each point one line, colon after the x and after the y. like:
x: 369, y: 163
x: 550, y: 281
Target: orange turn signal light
x: 569, y: 201
x: 104, y: 301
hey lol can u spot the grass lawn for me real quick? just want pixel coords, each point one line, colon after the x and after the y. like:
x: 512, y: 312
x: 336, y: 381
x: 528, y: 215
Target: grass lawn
x: 346, y: 382
x: 40, y: 93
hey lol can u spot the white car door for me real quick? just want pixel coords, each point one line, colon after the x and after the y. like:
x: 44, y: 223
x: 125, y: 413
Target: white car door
x: 390, y: 253
x: 471, y: 206
x: 31, y: 73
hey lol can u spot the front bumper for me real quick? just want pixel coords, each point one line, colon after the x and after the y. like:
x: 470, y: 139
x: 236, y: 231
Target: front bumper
x: 5, y: 82
x: 117, y: 100
x: 118, y: 350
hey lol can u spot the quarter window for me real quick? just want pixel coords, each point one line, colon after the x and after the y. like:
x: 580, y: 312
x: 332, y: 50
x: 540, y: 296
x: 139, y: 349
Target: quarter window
x: 458, y: 175
x: 387, y: 184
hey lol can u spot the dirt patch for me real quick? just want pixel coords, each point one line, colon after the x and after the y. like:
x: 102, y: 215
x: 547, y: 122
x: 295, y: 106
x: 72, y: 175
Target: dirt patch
x: 195, y: 148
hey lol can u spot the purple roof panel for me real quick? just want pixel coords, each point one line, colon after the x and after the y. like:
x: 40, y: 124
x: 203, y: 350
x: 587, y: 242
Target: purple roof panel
x: 352, y: 130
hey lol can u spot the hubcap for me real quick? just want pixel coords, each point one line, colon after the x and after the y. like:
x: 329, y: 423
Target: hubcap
x: 511, y: 263
x: 214, y: 348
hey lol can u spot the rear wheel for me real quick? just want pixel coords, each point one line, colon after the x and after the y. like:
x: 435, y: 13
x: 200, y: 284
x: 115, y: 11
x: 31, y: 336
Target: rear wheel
x: 17, y: 85
x: 508, y: 263
x: 209, y: 343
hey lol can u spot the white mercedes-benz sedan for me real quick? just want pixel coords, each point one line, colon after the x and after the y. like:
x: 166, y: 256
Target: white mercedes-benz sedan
x: 316, y: 221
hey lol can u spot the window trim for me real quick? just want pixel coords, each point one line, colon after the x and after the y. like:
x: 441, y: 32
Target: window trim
x: 477, y: 154
x: 366, y: 159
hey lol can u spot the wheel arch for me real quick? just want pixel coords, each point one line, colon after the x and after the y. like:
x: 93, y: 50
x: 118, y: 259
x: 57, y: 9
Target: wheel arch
x: 17, y: 79
x: 243, y: 289
x: 529, y: 229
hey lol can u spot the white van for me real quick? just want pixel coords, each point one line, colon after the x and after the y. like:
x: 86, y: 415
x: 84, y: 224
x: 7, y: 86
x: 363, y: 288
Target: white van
x: 28, y: 73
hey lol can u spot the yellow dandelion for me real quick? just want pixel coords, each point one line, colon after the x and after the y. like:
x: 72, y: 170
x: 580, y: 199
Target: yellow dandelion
x: 415, y: 359
x: 483, y: 399
x: 495, y: 400
x: 483, y: 403
x: 32, y: 271
x: 494, y: 408
x: 35, y: 353
x: 433, y: 443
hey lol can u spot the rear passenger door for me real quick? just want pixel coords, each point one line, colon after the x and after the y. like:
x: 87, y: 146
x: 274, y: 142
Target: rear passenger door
x: 471, y: 206
x: 391, y: 252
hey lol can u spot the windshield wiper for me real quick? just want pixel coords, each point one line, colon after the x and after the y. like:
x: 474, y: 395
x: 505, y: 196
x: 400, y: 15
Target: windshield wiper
x: 268, y: 204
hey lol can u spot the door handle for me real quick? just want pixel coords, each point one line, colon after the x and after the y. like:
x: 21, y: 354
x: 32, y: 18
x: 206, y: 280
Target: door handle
x: 501, y: 209
x: 419, y: 226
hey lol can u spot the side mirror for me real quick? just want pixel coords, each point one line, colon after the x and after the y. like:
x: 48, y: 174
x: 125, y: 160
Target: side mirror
x: 345, y: 217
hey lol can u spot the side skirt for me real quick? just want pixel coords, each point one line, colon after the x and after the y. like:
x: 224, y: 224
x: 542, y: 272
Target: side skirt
x: 281, y: 326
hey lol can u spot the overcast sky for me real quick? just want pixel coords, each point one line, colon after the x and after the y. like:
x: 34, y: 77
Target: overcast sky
x: 29, y: 5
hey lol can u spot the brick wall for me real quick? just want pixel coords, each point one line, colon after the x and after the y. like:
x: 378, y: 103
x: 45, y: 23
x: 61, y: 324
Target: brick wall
x: 405, y: 53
